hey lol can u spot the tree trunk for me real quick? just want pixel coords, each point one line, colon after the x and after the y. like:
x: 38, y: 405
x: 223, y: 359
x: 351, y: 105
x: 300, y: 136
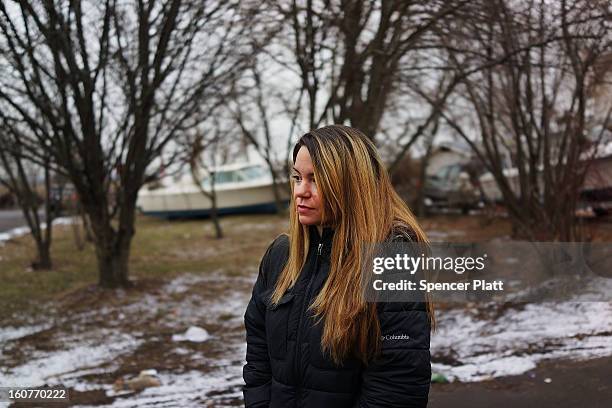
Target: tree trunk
x: 113, y: 246
x: 43, y: 261
x: 280, y: 207
x: 87, y: 227
x: 213, y: 210
x: 76, y: 233
x: 420, y: 198
x: 18, y: 183
x: 218, y: 230
x: 52, y: 210
x: 113, y: 267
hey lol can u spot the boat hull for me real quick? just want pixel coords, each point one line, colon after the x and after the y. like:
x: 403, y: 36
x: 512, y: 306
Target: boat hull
x: 192, y: 203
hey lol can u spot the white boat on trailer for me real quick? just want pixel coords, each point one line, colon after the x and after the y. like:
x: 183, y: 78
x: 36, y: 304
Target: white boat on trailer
x: 241, y: 188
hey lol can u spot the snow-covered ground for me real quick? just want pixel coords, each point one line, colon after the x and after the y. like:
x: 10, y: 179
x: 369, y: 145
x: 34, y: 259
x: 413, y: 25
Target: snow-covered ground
x: 190, y: 331
x: 467, y: 346
x: 473, y: 349
x: 179, y: 320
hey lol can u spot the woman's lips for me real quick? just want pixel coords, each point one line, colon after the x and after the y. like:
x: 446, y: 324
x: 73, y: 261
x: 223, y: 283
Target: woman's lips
x: 302, y: 209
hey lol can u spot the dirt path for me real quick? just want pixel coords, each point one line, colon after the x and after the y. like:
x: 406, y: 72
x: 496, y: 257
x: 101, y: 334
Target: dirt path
x: 572, y: 384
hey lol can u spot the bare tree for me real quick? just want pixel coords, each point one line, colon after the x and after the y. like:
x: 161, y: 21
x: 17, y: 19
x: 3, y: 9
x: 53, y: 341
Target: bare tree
x: 531, y: 103
x: 202, y: 155
x: 22, y: 179
x: 419, y: 203
x: 251, y: 111
x: 350, y: 54
x: 115, y: 82
x: 347, y: 61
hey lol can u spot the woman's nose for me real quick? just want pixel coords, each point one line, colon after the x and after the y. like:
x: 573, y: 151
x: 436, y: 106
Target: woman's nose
x: 302, y: 189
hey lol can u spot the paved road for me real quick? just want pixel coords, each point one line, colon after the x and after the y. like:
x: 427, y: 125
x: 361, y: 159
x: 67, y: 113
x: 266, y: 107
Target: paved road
x: 10, y: 219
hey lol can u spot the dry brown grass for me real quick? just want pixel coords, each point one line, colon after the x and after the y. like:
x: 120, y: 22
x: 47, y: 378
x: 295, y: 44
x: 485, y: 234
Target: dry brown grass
x: 161, y: 250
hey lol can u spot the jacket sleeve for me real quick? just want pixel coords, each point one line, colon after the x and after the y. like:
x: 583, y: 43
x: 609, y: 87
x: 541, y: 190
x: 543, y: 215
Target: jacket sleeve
x: 256, y: 372
x: 401, y: 375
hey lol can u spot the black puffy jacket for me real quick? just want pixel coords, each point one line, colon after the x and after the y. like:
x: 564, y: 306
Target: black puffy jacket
x: 285, y: 366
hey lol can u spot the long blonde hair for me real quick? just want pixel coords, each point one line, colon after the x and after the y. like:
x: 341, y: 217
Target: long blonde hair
x: 361, y: 205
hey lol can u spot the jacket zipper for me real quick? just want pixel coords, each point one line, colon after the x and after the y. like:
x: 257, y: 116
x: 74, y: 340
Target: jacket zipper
x: 298, y: 344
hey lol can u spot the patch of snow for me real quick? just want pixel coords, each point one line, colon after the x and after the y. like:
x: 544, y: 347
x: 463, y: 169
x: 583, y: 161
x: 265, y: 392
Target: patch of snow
x: 182, y: 351
x: 13, y: 333
x: 519, y: 339
x: 194, y: 334
x: 182, y: 283
x: 50, y: 368
x: 13, y: 233
x: 188, y: 389
x: 596, y: 289
x: 483, y: 368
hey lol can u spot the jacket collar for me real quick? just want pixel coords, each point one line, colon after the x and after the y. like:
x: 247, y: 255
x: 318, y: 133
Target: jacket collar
x: 326, y: 239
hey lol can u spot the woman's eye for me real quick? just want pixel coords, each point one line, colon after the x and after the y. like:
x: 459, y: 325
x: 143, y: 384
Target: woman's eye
x: 296, y: 178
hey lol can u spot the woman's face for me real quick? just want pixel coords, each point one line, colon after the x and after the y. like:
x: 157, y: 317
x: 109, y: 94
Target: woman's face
x: 305, y: 190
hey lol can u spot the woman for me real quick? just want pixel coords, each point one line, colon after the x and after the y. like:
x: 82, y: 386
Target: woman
x: 312, y: 338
